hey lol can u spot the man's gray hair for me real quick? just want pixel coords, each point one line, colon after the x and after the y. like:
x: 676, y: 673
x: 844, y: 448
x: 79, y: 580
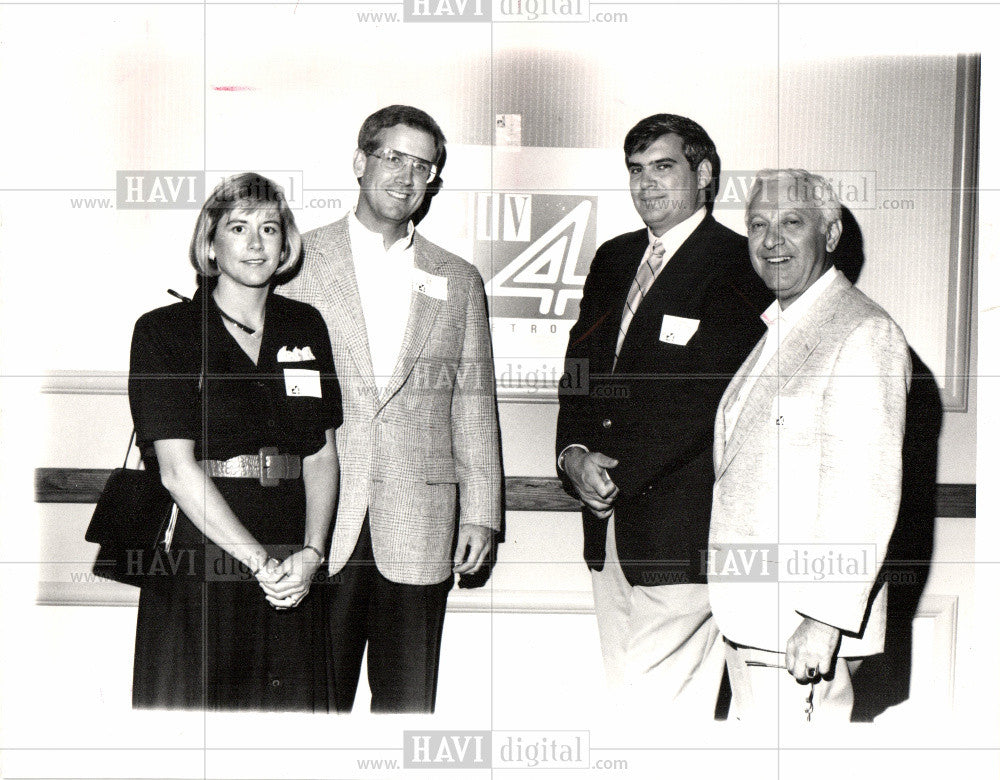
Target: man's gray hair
x: 811, y: 189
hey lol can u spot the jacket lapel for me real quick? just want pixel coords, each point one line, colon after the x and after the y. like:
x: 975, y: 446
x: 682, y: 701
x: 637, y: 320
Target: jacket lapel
x: 728, y: 398
x: 782, y: 366
x: 340, y: 286
x: 423, y: 311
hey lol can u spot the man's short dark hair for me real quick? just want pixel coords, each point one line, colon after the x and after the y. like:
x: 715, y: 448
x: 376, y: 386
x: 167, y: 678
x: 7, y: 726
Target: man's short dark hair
x: 698, y: 145
x: 390, y: 116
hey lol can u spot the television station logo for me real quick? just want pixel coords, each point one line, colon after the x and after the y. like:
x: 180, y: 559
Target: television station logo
x: 535, y: 250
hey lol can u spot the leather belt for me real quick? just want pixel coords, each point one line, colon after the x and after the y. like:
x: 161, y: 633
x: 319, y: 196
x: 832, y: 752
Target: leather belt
x: 268, y: 465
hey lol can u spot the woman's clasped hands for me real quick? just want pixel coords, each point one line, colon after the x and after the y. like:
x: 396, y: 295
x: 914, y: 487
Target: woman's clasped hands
x: 286, y: 583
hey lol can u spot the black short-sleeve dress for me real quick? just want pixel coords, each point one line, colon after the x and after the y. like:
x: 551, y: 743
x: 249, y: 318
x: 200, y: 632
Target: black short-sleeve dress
x: 206, y: 637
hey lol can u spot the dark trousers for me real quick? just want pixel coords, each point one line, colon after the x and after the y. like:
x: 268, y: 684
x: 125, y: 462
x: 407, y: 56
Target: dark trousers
x: 401, y: 625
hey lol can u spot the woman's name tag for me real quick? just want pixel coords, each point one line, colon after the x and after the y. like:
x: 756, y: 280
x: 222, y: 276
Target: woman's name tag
x: 303, y: 382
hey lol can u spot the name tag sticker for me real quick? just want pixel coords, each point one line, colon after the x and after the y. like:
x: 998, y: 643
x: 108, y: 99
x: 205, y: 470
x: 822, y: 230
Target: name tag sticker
x: 303, y: 382
x: 677, y: 330
x: 428, y: 284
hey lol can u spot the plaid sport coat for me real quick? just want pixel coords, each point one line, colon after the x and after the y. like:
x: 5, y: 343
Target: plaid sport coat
x: 425, y: 451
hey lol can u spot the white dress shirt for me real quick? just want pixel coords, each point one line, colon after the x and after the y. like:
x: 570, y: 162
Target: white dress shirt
x: 385, y: 279
x: 779, y: 324
x: 675, y: 236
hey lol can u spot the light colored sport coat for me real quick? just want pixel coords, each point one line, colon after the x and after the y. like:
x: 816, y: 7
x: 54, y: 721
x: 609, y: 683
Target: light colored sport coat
x: 430, y: 438
x: 813, y: 463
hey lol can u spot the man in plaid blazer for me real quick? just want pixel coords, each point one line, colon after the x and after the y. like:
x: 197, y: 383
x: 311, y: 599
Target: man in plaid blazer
x: 419, y: 447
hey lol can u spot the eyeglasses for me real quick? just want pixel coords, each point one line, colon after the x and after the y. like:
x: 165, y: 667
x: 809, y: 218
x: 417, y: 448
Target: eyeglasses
x: 394, y: 161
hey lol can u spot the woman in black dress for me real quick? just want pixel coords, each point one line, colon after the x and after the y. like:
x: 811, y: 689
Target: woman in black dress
x: 235, y: 401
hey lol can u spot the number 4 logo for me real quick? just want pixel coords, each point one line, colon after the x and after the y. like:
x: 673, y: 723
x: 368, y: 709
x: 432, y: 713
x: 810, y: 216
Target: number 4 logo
x: 548, y: 262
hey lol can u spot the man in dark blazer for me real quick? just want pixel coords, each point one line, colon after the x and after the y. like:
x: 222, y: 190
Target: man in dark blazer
x: 668, y: 314
x: 419, y: 447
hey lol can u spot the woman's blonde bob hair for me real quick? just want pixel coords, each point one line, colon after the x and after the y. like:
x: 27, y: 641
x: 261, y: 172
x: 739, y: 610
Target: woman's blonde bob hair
x: 242, y: 192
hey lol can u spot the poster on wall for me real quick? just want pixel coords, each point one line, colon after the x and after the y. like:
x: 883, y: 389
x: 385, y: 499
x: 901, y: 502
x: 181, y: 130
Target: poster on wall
x: 534, y: 250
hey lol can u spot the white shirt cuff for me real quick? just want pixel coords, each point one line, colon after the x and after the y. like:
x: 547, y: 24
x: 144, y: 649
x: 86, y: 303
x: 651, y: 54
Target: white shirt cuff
x: 562, y: 455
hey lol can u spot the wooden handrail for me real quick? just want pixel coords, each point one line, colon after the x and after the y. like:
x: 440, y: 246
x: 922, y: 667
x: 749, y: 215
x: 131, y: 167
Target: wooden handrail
x: 522, y: 494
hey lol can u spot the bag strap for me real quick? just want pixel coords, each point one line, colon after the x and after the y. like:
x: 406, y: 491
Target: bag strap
x: 128, y: 449
x: 201, y: 376
x: 201, y: 381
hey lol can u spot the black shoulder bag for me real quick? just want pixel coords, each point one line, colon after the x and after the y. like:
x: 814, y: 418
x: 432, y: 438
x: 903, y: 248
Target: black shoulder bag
x: 130, y: 522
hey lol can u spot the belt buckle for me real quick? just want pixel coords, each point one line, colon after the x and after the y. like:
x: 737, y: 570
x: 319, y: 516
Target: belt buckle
x: 265, y: 477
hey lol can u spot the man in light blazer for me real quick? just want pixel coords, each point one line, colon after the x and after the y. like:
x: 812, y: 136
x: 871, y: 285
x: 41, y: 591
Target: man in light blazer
x: 660, y: 345
x: 808, y: 440
x: 419, y: 445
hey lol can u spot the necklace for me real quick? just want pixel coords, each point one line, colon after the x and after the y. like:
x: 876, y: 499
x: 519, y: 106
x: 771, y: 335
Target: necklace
x: 237, y: 323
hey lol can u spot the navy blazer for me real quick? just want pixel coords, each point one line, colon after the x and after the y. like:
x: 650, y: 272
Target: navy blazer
x: 654, y: 412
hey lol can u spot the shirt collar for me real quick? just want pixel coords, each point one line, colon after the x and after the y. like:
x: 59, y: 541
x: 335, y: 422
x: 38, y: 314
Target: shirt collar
x: 372, y: 241
x: 791, y: 316
x: 678, y: 234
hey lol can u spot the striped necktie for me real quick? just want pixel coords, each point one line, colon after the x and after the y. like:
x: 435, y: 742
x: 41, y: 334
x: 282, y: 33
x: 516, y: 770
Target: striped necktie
x: 650, y: 266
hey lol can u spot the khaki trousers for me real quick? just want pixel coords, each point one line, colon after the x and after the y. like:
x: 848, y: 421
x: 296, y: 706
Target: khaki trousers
x: 660, y: 644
